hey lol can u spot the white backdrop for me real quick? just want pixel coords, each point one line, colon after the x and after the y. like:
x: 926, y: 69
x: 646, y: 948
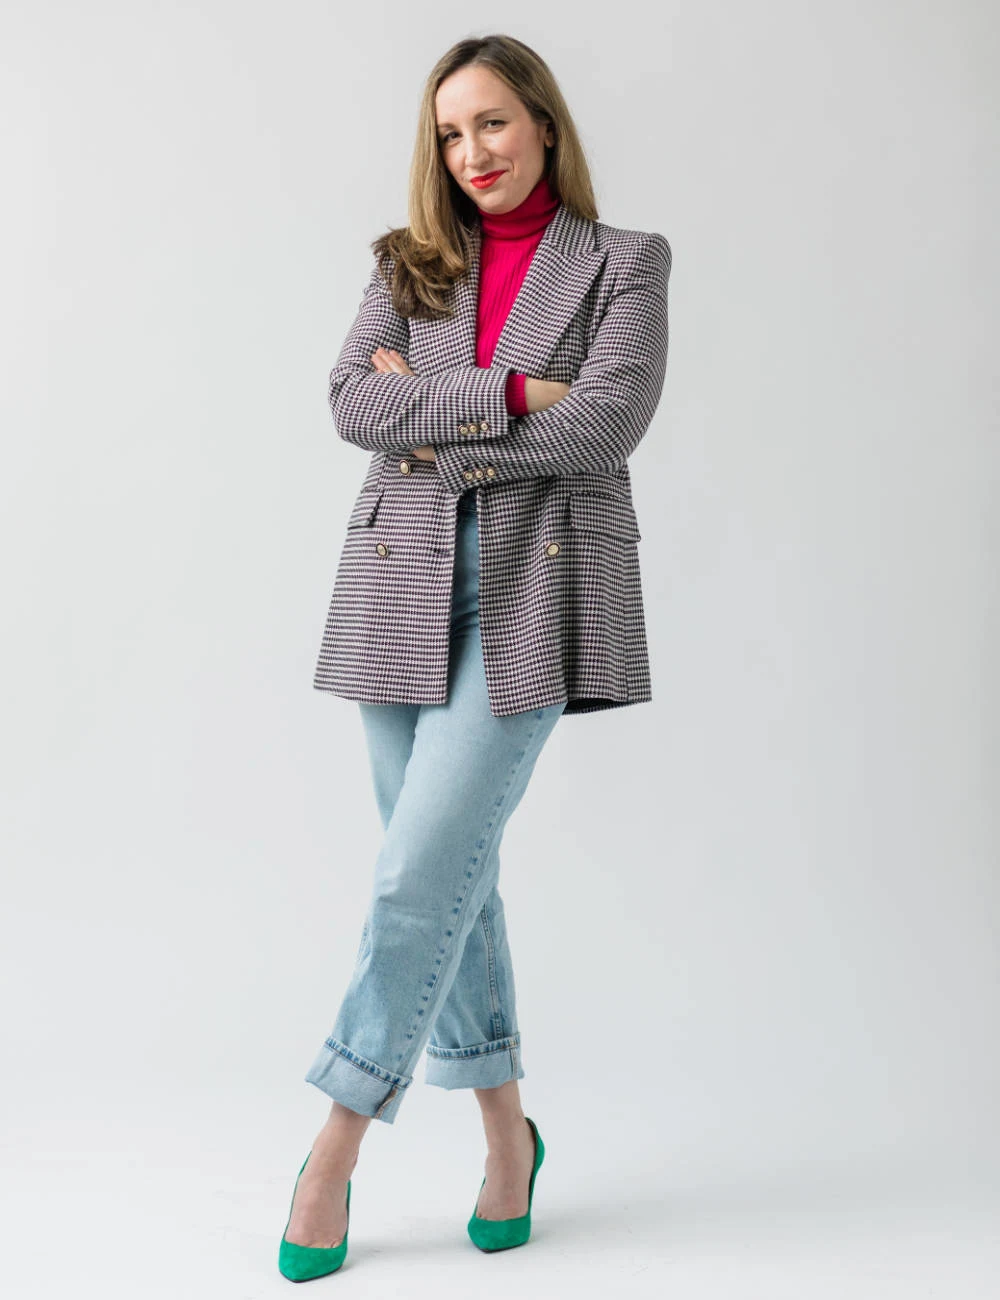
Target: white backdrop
x: 754, y: 922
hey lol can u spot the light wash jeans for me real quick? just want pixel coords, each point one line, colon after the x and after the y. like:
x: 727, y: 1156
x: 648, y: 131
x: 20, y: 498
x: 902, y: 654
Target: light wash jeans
x: 433, y: 968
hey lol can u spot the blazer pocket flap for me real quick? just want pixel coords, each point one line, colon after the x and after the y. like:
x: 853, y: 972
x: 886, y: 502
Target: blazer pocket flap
x: 604, y: 513
x: 365, y: 509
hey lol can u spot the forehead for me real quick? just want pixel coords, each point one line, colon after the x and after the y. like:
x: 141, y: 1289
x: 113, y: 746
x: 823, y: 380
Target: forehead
x: 470, y: 90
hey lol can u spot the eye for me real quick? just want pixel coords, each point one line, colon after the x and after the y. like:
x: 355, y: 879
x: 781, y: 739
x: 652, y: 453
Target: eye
x: 497, y: 121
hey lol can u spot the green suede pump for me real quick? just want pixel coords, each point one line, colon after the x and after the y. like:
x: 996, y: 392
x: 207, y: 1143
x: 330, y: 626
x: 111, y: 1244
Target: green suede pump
x: 501, y: 1234
x: 299, y: 1263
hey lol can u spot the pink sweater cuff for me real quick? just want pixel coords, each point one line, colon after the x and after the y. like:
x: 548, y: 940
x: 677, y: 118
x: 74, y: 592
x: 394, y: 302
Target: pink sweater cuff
x: 514, y: 394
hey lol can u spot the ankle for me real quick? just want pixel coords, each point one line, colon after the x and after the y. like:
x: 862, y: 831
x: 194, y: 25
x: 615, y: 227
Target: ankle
x: 333, y: 1156
x: 507, y: 1139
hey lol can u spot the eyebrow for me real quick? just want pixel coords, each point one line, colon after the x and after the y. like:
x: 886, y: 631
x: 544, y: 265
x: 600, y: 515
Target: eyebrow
x: 482, y: 113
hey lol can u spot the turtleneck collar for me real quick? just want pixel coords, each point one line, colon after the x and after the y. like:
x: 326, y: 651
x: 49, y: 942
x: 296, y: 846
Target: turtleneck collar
x: 530, y: 216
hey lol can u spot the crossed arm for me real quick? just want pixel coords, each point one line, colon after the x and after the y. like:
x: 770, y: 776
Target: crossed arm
x: 523, y: 395
x: 593, y: 426
x: 396, y: 410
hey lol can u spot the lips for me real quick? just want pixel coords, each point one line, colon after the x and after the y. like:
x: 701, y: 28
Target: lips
x: 487, y: 179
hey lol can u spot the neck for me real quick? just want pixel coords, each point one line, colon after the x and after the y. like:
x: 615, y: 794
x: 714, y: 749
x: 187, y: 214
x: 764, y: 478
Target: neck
x: 530, y: 216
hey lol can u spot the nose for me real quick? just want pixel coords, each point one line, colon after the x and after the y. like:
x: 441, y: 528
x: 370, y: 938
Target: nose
x: 476, y: 163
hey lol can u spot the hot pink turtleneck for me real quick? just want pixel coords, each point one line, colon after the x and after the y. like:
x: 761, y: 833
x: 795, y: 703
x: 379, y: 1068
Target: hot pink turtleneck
x: 509, y: 240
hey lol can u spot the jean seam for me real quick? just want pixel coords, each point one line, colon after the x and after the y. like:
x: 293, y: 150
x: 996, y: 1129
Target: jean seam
x: 362, y: 945
x: 392, y: 1093
x: 491, y: 972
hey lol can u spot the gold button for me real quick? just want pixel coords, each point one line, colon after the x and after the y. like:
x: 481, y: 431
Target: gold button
x: 483, y: 426
x: 463, y: 428
x: 468, y: 474
x: 480, y: 473
x: 382, y: 548
x: 490, y: 472
x: 404, y: 467
x: 552, y: 548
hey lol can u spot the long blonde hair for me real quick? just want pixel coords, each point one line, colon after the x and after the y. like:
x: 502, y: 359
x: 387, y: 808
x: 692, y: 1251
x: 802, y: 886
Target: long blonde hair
x: 420, y: 262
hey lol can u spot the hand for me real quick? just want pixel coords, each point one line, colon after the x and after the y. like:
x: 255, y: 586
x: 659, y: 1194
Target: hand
x: 388, y: 362
x: 540, y: 394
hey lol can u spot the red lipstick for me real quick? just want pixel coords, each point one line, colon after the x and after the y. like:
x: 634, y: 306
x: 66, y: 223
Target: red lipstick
x: 486, y: 180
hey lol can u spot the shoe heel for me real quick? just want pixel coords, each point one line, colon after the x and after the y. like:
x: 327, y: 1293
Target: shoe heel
x: 502, y: 1234
x: 300, y: 1263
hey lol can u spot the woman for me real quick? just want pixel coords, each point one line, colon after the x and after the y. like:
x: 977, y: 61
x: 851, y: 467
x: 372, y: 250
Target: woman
x: 507, y: 357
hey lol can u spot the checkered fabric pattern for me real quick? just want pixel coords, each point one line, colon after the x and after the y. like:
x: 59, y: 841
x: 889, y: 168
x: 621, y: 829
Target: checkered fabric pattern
x: 560, y: 596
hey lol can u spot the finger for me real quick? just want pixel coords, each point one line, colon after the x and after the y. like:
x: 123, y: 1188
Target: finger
x: 383, y: 360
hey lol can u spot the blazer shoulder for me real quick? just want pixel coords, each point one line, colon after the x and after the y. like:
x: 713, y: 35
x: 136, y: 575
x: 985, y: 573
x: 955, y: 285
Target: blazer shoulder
x: 376, y: 266
x: 622, y: 244
x: 628, y: 249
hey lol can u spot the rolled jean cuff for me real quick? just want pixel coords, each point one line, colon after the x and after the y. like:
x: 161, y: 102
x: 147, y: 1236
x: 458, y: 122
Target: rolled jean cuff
x: 485, y: 1065
x: 356, y: 1082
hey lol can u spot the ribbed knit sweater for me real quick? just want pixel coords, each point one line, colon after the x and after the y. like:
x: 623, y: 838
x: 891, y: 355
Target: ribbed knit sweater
x: 508, y: 243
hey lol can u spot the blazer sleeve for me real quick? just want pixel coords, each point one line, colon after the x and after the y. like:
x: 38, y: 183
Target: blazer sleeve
x: 393, y: 412
x: 611, y: 403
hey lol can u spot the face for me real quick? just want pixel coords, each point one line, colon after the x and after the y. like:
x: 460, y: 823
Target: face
x: 484, y: 128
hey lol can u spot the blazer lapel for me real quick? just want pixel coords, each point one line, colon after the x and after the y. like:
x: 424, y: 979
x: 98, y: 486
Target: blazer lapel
x: 559, y: 274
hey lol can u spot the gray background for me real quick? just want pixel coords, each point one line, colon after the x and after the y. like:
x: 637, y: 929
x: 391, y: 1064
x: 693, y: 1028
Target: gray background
x: 754, y: 922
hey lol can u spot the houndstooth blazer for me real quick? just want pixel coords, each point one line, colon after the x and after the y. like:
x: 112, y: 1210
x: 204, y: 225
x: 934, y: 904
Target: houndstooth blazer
x: 560, y: 597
